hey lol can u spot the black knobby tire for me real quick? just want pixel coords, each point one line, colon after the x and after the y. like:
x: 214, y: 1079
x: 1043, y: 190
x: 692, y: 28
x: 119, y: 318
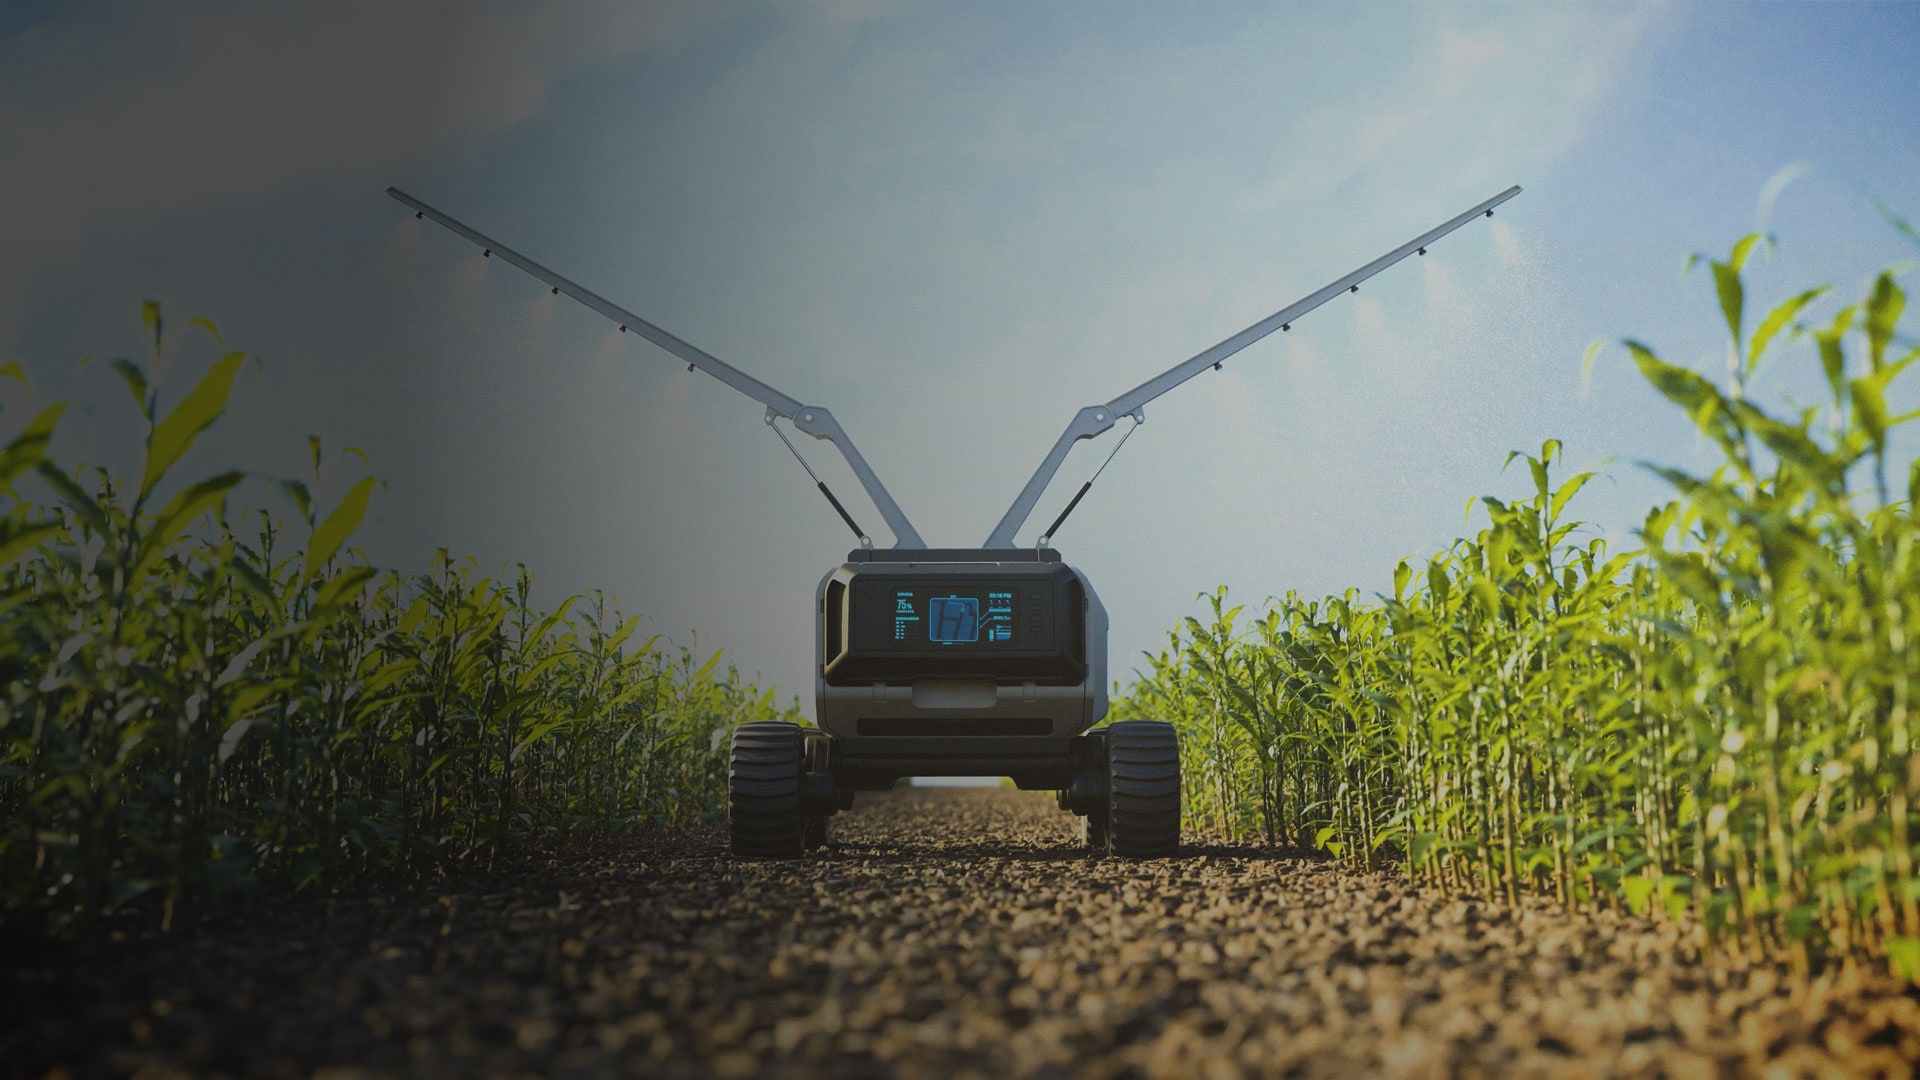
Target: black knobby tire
x: 813, y: 833
x: 1143, y: 789
x: 763, y: 790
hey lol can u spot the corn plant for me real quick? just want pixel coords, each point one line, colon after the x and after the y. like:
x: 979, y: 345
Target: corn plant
x: 203, y: 701
x: 1719, y: 725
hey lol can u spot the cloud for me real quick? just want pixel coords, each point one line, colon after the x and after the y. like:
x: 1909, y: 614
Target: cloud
x: 127, y: 111
x: 1463, y: 58
x: 1521, y: 91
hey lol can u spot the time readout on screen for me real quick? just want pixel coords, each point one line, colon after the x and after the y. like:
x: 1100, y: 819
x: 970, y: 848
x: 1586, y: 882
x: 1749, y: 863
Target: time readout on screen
x: 953, y: 617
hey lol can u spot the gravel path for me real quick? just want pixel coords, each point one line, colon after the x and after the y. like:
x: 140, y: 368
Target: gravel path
x: 945, y: 932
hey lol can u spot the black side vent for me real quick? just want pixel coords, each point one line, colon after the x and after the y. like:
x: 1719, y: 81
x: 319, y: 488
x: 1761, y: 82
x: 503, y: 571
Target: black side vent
x: 835, y: 640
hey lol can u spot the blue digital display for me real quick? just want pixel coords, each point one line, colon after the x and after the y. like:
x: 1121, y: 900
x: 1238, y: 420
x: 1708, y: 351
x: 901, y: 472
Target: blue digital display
x: 945, y: 616
x: 952, y: 620
x: 893, y: 627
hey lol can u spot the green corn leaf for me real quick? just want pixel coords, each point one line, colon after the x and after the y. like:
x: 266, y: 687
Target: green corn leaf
x: 342, y: 587
x: 1792, y: 444
x: 544, y: 626
x: 1833, y: 363
x: 1586, y: 363
x: 1884, y: 306
x: 237, y: 667
x: 1700, y: 398
x: 251, y: 580
x: 29, y: 448
x: 302, y: 498
x: 620, y: 634
x: 174, y: 435
x: 74, y: 496
x: 1486, y: 593
x: 1638, y: 890
x: 18, y: 537
x: 150, y: 317
x: 1726, y: 282
x: 12, y: 370
x: 1676, y: 384
x: 1676, y: 895
x: 1834, y: 358
x: 1776, y: 184
x: 237, y: 730
x: 706, y: 669
x: 1903, y: 957
x: 391, y: 673
x: 181, y: 511
x: 1789, y: 550
x: 1422, y: 845
x: 1778, y: 319
x: 207, y: 325
x: 1744, y: 247
x: 1802, y: 922
x: 339, y: 525
x: 415, y: 615
x: 1870, y: 400
x: 1566, y: 493
x: 1693, y: 577
x: 1899, y: 223
x: 1401, y: 575
x: 136, y: 381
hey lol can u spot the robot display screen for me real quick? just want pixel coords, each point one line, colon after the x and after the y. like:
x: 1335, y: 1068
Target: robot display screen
x: 983, y: 617
x: 940, y: 624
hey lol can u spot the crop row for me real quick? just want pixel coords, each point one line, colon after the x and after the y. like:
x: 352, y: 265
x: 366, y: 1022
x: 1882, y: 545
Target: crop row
x: 200, y: 703
x: 1720, y: 725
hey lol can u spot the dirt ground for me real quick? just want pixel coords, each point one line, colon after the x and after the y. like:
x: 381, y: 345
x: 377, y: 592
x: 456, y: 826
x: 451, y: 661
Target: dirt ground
x: 944, y: 932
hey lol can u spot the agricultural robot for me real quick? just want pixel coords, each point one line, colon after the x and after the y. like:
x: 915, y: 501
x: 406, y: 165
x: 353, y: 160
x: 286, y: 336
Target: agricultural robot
x: 980, y: 661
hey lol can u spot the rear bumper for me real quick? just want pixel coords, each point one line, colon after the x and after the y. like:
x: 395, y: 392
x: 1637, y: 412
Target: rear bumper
x: 872, y: 763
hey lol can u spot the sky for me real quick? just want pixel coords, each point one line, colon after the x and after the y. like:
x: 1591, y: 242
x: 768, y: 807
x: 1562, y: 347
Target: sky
x: 953, y: 225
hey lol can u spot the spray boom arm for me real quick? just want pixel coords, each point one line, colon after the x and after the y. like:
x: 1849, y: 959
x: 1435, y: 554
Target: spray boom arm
x: 1097, y: 419
x: 1089, y: 422
x: 812, y: 419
